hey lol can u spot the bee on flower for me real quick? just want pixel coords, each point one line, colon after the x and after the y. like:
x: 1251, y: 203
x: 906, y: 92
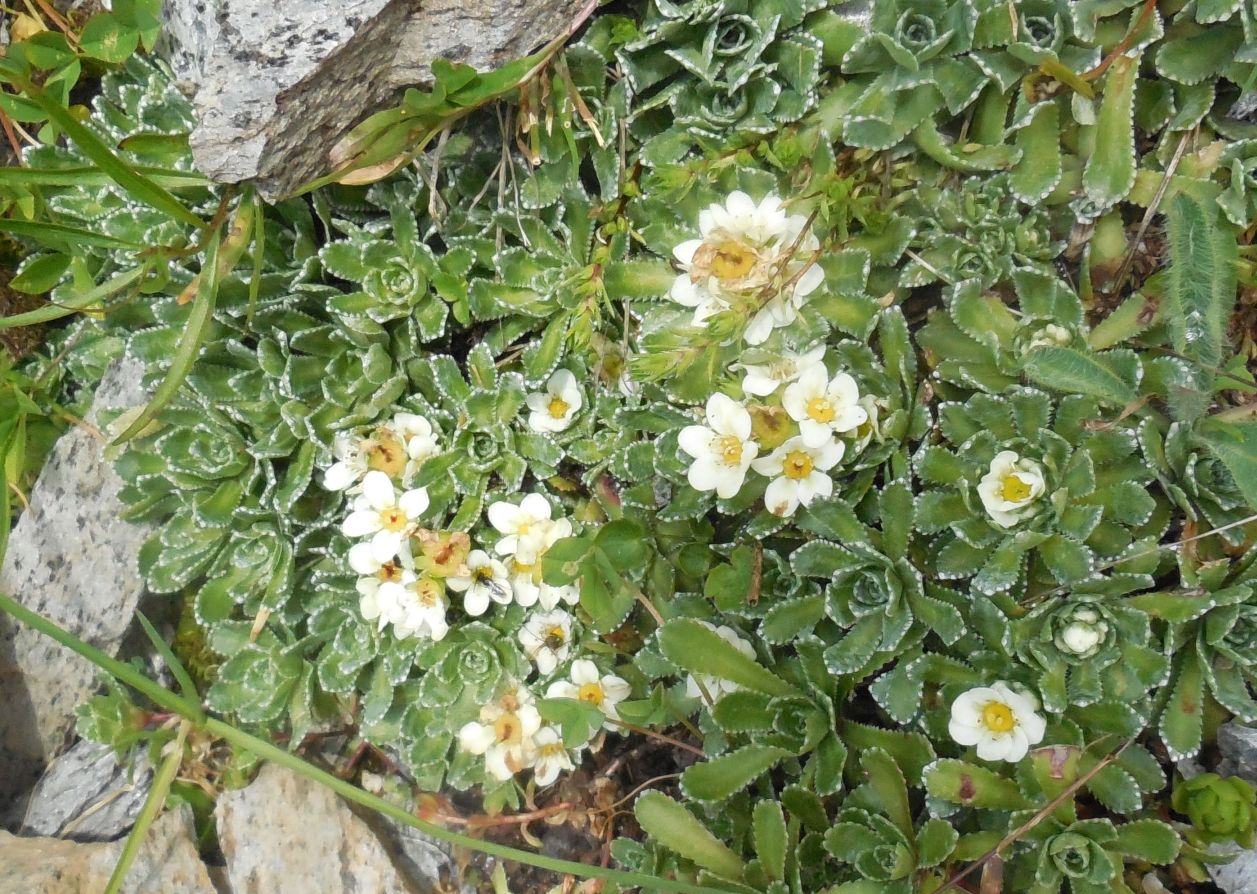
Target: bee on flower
x: 505, y: 734
x: 586, y: 684
x: 1003, y: 724
x: 554, y: 409
x: 486, y: 581
x: 748, y: 255
x: 385, y: 516
x: 1011, y: 488
x: 547, y: 639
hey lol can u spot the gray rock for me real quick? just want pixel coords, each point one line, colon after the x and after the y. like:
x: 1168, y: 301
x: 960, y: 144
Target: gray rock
x: 73, y: 561
x: 87, y: 795
x: 284, y: 834
x: 167, y: 863
x: 280, y: 81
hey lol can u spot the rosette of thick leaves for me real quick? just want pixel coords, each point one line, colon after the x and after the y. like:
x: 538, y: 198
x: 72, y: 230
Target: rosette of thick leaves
x: 1087, y: 650
x: 1194, y: 478
x: 1095, y: 499
x: 711, y: 69
x: 1220, y: 808
x: 977, y: 231
x: 1084, y: 856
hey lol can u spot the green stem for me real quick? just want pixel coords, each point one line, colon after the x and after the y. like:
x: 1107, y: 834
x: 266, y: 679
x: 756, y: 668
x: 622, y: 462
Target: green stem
x: 173, y: 703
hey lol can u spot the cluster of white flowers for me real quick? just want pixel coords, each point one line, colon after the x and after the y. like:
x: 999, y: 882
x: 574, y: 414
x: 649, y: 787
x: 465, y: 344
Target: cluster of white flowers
x: 528, y: 532
x: 828, y: 412
x: 748, y: 256
x: 1001, y: 722
x: 512, y: 738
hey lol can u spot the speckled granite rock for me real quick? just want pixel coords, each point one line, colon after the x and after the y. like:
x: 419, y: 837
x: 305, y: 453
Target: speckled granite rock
x: 86, y: 794
x: 280, y: 81
x: 71, y: 559
x: 312, y: 843
x: 167, y: 863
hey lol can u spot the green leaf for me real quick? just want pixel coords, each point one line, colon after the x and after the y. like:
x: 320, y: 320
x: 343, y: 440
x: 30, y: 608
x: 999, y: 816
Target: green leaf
x: 1182, y: 722
x: 1039, y: 169
x: 107, y: 39
x: 935, y: 842
x: 697, y: 648
x: 666, y: 821
x: 1079, y: 372
x: 973, y: 786
x: 1235, y: 443
x: 768, y: 824
x: 721, y: 777
x: 1110, y: 171
x: 889, y: 788
x: 898, y: 510
x: 579, y: 720
x: 1149, y: 840
x: 41, y: 274
x: 1200, y: 280
x: 200, y: 318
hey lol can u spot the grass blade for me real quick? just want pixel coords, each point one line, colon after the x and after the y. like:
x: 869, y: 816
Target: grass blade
x: 77, y: 303
x: 62, y: 236
x: 189, y: 343
x: 152, y: 806
x: 186, y: 687
x: 86, y: 175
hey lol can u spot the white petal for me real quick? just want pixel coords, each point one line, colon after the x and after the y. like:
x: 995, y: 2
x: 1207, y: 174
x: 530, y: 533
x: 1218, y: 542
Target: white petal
x: 339, y: 476
x: 378, y: 490
x: 760, y: 327
x: 584, y: 671
x: 563, y: 689
x: 475, y: 603
x: 386, y: 544
x: 615, y: 689
x: 781, y: 497
x: 361, y: 523
x: 475, y: 738
x: 504, y: 517
x: 729, y: 481
x: 696, y: 440
x: 362, y: 560
x: 809, y: 281
x: 685, y: 251
x: 740, y: 203
x: 414, y: 502
x: 994, y: 748
x: 964, y: 733
x: 535, y: 506
x: 704, y: 473
x: 829, y: 455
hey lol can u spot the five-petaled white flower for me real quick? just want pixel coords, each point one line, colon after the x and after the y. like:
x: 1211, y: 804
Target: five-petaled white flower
x: 385, y: 516
x: 756, y: 252
x: 374, y: 573
x: 552, y: 756
x: 485, y: 582
x: 414, y: 605
x: 603, y: 692
x: 554, y: 409
x: 1011, y: 487
x: 525, y: 527
x: 504, y: 735
x: 823, y: 406
x: 722, y: 449
x: 1000, y: 722
x: 798, y: 473
x: 547, y: 638
x: 716, y: 686
x: 762, y: 380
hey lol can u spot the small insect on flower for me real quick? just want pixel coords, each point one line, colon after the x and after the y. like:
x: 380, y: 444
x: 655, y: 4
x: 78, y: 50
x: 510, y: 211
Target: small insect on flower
x: 505, y: 734
x: 722, y: 449
x: 586, y: 685
x: 486, y: 581
x: 554, y: 409
x: 823, y: 406
x: 385, y: 516
x: 1000, y: 722
x: 1009, y: 490
x: 798, y: 474
x: 374, y: 573
x: 547, y: 639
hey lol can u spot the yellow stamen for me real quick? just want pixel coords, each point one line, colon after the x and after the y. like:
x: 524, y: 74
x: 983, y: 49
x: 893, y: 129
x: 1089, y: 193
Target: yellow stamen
x: 731, y: 260
x: 507, y: 729
x: 590, y: 692
x: 389, y: 572
x: 557, y: 408
x: 821, y: 410
x: 1014, y: 490
x: 730, y: 449
x: 998, y: 717
x: 393, y: 519
x: 797, y: 465
x: 428, y: 592
x: 385, y: 454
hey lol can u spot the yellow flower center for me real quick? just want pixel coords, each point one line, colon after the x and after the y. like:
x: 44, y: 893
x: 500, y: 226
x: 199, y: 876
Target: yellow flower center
x: 389, y: 572
x: 428, y: 592
x: 393, y: 519
x: 1014, y: 489
x: 591, y: 693
x: 731, y: 260
x: 508, y: 730
x: 797, y: 465
x: 385, y: 454
x: 730, y: 449
x: 820, y: 409
x: 550, y: 749
x: 557, y: 408
x: 998, y: 717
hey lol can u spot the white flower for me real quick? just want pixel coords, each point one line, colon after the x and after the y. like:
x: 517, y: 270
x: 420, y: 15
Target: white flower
x: 798, y: 473
x: 525, y: 526
x: 381, y: 451
x: 744, y: 250
x: 415, y: 606
x: 419, y: 439
x: 555, y: 408
x: 1009, y: 490
x: 552, y: 756
x: 870, y: 428
x: 762, y: 380
x: 384, y: 516
x: 504, y: 735
x: 530, y: 589
x: 374, y: 573
x: 350, y: 465
x: 823, y: 406
x: 547, y: 638
x: 1051, y: 335
x: 715, y: 686
x: 587, y: 686
x: 485, y: 582
x: 722, y: 449
x: 1001, y: 722
x: 1085, y: 631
